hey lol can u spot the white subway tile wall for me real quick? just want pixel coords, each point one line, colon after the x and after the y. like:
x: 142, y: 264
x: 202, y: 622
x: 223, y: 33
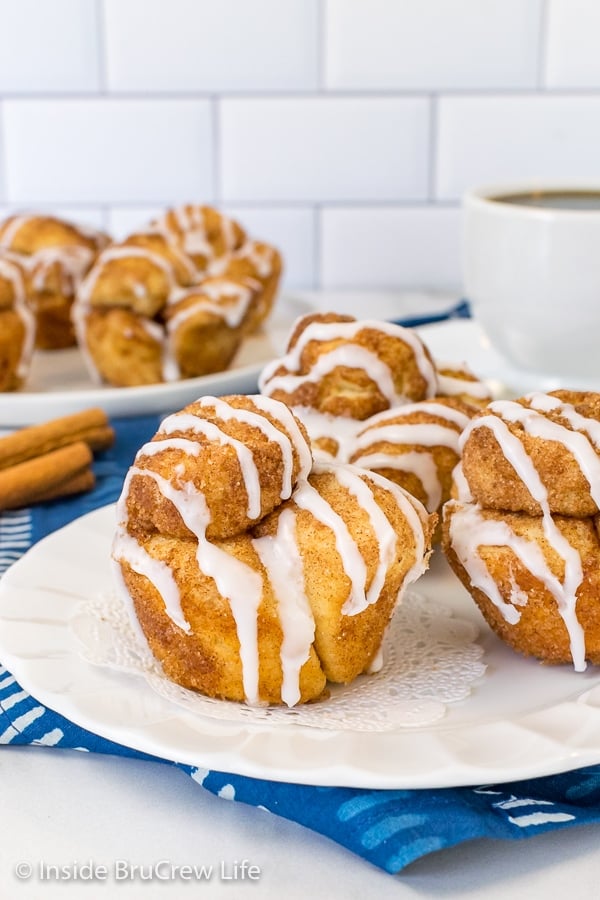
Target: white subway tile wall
x: 344, y: 131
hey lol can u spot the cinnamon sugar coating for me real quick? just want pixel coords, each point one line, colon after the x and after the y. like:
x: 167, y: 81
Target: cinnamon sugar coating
x: 561, y: 437
x: 212, y: 467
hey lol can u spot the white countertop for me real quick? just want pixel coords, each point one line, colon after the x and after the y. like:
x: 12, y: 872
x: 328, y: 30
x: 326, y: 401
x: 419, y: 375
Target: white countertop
x: 62, y: 808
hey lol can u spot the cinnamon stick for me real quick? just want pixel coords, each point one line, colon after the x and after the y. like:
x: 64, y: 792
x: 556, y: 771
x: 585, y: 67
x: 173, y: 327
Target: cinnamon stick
x: 90, y: 426
x: 77, y: 484
x: 25, y: 482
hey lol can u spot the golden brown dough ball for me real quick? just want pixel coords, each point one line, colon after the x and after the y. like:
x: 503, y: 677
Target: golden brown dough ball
x: 204, y: 234
x: 540, y: 447
x: 242, y: 474
x: 345, y: 367
x: 127, y: 350
x: 56, y: 255
x: 535, y: 580
x: 416, y: 446
x: 260, y: 265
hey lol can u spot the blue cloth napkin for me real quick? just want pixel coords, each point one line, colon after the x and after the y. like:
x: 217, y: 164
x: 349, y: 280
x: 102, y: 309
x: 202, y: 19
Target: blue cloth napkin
x: 389, y: 828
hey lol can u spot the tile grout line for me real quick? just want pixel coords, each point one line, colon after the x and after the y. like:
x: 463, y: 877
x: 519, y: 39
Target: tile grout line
x: 316, y: 208
x: 543, y: 33
x: 102, y: 70
x: 216, y: 151
x: 433, y: 148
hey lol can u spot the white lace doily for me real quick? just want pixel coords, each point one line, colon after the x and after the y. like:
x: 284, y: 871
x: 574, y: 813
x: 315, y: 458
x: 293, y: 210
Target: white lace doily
x: 430, y: 659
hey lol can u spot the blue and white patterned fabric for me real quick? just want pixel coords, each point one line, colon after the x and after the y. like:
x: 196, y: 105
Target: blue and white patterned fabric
x: 390, y: 828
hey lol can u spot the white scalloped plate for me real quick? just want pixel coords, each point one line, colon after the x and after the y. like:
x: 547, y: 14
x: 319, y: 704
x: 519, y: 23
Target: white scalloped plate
x: 522, y: 720
x: 463, y: 340
x: 59, y: 383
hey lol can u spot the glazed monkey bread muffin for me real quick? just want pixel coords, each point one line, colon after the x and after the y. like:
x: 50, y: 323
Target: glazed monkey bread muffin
x: 175, y: 301
x: 254, y: 574
x: 523, y: 531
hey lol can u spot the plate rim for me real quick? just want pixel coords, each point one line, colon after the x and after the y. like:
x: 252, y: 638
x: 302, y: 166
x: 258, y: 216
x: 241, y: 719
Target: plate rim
x: 544, y: 753
x: 26, y: 407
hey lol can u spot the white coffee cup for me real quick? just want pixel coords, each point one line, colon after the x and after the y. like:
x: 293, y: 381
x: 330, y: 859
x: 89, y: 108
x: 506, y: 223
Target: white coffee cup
x: 531, y: 268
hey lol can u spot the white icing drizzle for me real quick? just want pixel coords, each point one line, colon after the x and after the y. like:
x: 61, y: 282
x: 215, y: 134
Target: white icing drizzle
x: 283, y: 414
x: 157, y: 572
x: 430, y: 407
x: 190, y: 229
x: 229, y: 236
x: 565, y: 592
x: 192, y: 448
x: 285, y: 442
x: 590, y: 427
x: 419, y: 464
x: 425, y: 434
x: 74, y: 262
x: 453, y: 385
x: 307, y: 497
x: 229, y: 300
x: 281, y: 559
x: 341, y: 429
x: 391, y: 427
x: 463, y: 491
x: 11, y: 273
x: 469, y: 530
x: 347, y: 355
x: 350, y: 478
x: 261, y: 257
x: 415, y: 514
x: 186, y: 262
x: 537, y: 425
x: 211, y: 431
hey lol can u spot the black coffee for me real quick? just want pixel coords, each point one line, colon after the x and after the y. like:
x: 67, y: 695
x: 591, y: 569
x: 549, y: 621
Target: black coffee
x: 579, y: 200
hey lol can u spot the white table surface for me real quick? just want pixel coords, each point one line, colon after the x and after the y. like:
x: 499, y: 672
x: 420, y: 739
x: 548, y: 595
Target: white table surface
x: 79, y: 810
x: 64, y: 807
